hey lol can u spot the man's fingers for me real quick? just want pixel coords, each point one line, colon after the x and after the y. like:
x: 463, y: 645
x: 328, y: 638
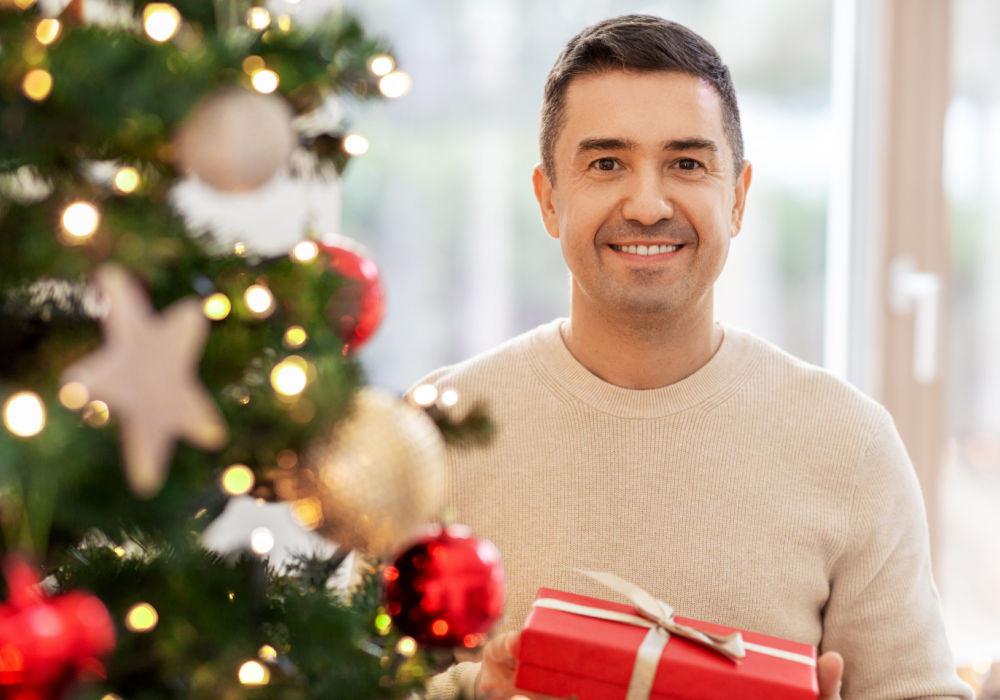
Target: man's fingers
x: 830, y: 670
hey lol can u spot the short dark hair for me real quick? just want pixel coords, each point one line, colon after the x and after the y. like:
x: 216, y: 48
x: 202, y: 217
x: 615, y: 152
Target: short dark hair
x: 636, y: 43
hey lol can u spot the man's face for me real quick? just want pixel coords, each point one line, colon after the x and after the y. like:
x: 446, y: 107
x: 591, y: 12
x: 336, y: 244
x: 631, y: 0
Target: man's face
x: 643, y: 202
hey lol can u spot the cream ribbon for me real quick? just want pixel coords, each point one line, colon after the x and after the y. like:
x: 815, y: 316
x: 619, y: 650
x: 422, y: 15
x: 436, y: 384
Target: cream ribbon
x: 659, y: 618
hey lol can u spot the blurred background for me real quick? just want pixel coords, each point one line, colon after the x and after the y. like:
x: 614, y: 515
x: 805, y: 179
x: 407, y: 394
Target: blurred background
x: 874, y: 131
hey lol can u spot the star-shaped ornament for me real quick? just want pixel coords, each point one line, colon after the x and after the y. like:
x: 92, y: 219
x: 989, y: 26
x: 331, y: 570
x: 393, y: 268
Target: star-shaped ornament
x: 147, y: 372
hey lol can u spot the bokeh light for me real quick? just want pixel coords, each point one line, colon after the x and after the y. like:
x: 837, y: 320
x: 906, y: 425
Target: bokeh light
x: 127, y: 180
x: 254, y: 673
x: 449, y: 397
x: 141, y: 617
x: 259, y: 300
x: 258, y: 18
x: 24, y: 414
x: 73, y: 395
x: 96, y: 414
x: 267, y: 652
x: 265, y: 81
x: 80, y: 220
x: 295, y: 337
x: 47, y: 30
x: 37, y: 84
x: 381, y: 65
x: 217, y: 306
x: 395, y: 84
x: 237, y: 479
x: 355, y: 145
x: 161, y: 21
x: 305, y: 251
x: 261, y: 540
x: 289, y: 377
x: 425, y: 395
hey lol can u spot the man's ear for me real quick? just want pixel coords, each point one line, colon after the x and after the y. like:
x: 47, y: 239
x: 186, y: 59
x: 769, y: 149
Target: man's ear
x: 740, y: 198
x: 544, y: 194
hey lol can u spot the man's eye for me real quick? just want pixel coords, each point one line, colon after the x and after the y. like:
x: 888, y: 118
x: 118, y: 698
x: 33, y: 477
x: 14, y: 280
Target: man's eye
x: 688, y: 164
x: 605, y: 164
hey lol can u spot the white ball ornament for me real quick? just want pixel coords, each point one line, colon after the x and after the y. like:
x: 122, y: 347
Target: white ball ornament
x: 236, y: 140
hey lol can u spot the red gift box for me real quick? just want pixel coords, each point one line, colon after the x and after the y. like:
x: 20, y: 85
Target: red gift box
x: 566, y: 654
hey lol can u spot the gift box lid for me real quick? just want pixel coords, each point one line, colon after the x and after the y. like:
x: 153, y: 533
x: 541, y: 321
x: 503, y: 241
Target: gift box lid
x: 603, y: 653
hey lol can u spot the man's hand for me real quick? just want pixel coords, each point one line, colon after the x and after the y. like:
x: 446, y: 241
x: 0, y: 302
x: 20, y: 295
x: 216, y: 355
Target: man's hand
x: 830, y: 670
x: 496, y: 675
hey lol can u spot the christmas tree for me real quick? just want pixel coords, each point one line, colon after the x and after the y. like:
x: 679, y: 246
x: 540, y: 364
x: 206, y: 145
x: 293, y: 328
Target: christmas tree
x: 154, y: 365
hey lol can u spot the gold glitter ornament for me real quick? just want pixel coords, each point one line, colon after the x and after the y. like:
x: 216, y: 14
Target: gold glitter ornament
x: 379, y: 476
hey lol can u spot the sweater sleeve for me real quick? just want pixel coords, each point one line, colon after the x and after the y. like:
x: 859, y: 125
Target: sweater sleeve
x: 883, y: 614
x: 456, y: 683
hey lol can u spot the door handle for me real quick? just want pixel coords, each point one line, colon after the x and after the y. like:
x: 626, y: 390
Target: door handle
x: 918, y: 293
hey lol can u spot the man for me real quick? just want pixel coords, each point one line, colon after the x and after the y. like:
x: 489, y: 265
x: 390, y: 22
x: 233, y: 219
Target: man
x: 640, y: 437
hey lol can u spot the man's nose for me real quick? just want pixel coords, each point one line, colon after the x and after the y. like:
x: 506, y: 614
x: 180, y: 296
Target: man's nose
x: 647, y: 200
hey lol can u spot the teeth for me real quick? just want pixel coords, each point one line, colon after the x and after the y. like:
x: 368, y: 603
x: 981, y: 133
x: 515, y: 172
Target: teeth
x: 646, y: 250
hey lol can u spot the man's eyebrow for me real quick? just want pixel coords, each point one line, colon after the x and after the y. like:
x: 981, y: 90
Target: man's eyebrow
x: 692, y: 144
x: 604, y: 144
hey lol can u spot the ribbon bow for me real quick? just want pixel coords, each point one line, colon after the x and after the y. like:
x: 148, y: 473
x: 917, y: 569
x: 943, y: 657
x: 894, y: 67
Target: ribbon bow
x: 662, y: 615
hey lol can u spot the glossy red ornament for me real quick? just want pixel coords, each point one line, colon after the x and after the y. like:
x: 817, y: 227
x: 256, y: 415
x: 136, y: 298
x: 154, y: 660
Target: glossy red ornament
x: 359, y: 305
x: 46, y: 643
x: 446, y: 588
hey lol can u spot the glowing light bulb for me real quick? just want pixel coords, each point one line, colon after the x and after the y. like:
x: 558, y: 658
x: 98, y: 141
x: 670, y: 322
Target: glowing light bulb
x: 355, y: 144
x: 289, y: 376
x: 216, y: 306
x: 80, y: 220
x: 251, y: 64
x: 267, y: 652
x: 237, y: 479
x: 47, y: 30
x: 127, y: 180
x: 97, y: 414
x: 161, y: 21
x: 425, y: 394
x: 406, y: 646
x: 395, y: 84
x: 37, y: 84
x: 24, y: 414
x: 141, y: 617
x: 449, y: 397
x: 119, y: 551
x: 259, y: 300
x: 261, y: 540
x: 265, y: 81
x: 381, y: 65
x: 305, y: 251
x: 239, y: 249
x: 254, y: 673
x: 73, y: 395
x: 258, y: 18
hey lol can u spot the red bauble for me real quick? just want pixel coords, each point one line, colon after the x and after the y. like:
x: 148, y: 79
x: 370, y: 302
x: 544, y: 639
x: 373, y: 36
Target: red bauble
x: 446, y: 589
x: 47, y: 642
x: 359, y: 305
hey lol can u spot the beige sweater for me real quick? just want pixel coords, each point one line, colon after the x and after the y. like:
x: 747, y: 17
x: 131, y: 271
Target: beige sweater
x: 760, y: 492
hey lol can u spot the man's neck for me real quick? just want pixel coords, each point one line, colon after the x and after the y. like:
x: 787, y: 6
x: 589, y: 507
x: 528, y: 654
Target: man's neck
x: 641, y: 352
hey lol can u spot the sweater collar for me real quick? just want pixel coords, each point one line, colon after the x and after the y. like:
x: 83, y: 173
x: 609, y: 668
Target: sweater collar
x: 725, y: 371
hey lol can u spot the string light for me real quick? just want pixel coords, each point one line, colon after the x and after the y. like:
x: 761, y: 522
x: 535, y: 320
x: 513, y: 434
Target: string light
x: 73, y: 395
x: 237, y: 479
x: 216, y: 306
x: 305, y: 251
x: 254, y: 673
x: 295, y: 337
x: 289, y: 376
x: 406, y: 646
x: 395, y: 84
x: 259, y: 300
x: 80, y: 220
x: 141, y: 617
x: 161, y: 21
x: 97, y: 414
x: 355, y: 145
x: 261, y: 540
x: 287, y: 459
x: 37, y: 84
x: 47, y: 30
x: 425, y: 395
x: 381, y: 65
x: 24, y: 414
x: 267, y: 653
x: 127, y: 180
x: 258, y: 18
x: 264, y: 81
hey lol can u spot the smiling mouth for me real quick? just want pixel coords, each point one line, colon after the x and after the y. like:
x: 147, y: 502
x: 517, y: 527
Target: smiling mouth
x: 645, y: 249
